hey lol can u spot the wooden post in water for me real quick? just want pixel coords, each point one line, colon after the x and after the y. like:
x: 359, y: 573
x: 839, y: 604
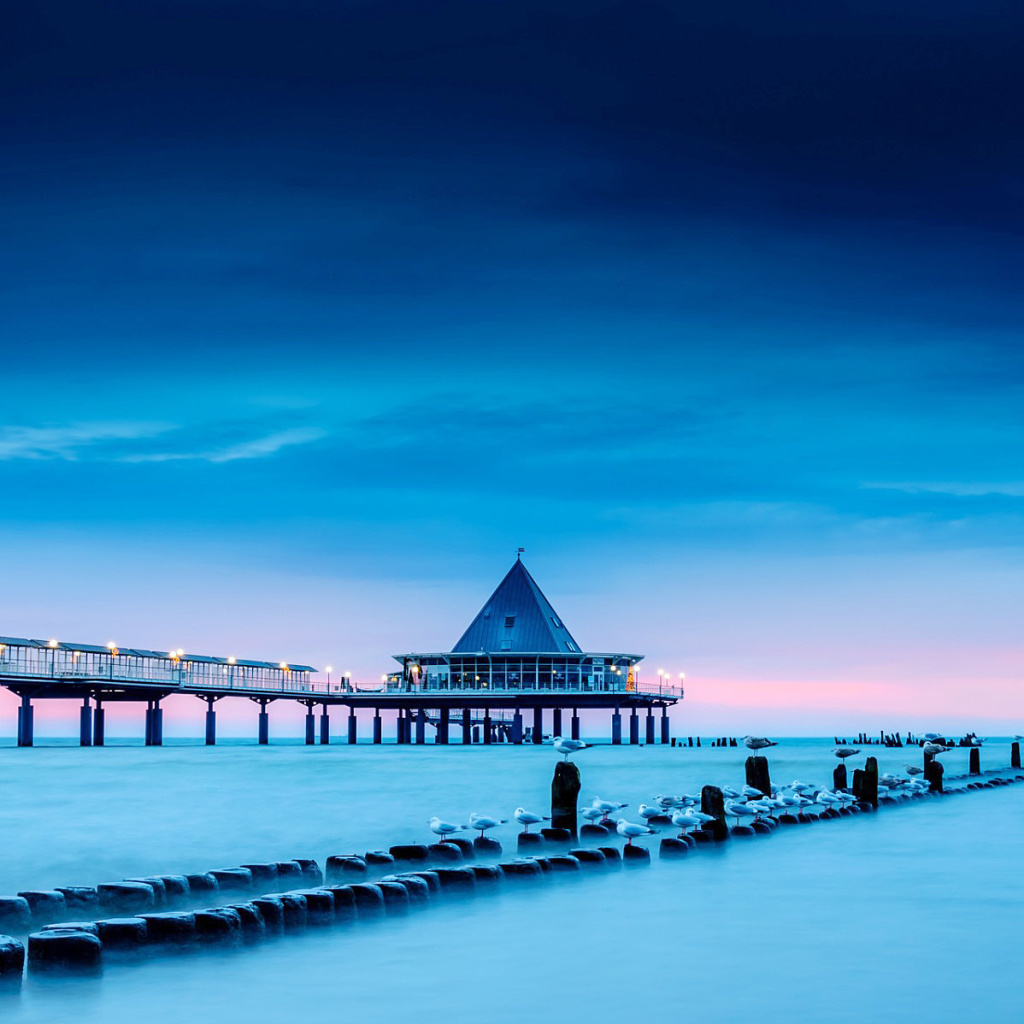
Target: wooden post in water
x: 865, y: 782
x: 757, y: 774
x: 1015, y: 754
x: 712, y: 801
x: 565, y: 793
x: 975, y: 761
x: 933, y: 773
x: 839, y: 776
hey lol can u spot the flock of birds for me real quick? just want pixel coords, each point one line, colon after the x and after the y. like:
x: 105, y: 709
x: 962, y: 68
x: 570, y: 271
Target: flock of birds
x: 683, y: 810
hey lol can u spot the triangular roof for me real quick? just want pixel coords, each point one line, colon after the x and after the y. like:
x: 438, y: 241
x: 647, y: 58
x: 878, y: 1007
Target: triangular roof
x: 517, y: 617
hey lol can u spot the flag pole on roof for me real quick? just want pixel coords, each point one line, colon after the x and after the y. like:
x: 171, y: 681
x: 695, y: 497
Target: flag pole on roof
x: 519, y: 553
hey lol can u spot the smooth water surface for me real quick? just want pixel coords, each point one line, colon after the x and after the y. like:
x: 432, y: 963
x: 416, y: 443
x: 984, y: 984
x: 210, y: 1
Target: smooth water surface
x: 877, y: 918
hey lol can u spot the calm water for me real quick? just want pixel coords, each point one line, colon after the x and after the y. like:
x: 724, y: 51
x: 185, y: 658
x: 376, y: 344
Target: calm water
x: 878, y: 917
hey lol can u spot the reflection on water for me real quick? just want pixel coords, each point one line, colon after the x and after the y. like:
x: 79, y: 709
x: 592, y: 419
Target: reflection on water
x: 872, y: 917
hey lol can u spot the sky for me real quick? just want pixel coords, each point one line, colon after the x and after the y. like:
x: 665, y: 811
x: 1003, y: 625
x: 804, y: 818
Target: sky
x: 312, y: 313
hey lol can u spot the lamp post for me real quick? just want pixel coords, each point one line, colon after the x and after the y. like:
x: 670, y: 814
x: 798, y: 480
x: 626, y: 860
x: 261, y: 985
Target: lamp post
x: 682, y: 680
x: 329, y: 671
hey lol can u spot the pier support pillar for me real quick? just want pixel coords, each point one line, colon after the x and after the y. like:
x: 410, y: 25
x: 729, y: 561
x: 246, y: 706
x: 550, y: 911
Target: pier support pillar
x: 421, y: 727
x: 538, y: 725
x: 975, y: 761
x: 211, y: 725
x: 325, y: 727
x: 158, y: 724
x: 400, y: 727
x: 264, y: 726
x: 26, y: 731
x: 467, y: 727
x: 1015, y: 754
x: 378, y: 727
x: 443, y: 726
x: 616, y: 728
x: 310, y: 727
x: 634, y: 727
x: 487, y: 726
x: 556, y: 722
x: 353, y: 731
x: 517, y: 727
x: 649, y: 735
x: 665, y: 738
x: 149, y: 723
x: 574, y: 725
x: 85, y: 724
x: 98, y: 725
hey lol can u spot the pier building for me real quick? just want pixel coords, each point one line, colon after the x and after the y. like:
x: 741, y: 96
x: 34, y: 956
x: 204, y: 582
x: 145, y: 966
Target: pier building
x: 517, y: 658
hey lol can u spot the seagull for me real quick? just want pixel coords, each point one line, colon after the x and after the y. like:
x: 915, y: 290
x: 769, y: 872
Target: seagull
x: 592, y: 813
x: 606, y: 806
x: 738, y: 810
x: 750, y: 793
x: 481, y: 823
x: 758, y: 742
x: 914, y: 769
x: 630, y: 831
x: 527, y: 818
x: 887, y: 780
x: 444, y: 828
x: 566, y: 746
x: 687, y: 819
x: 700, y: 815
x: 933, y: 736
x: 790, y: 801
x: 729, y: 793
x: 668, y: 802
x: 933, y: 748
x: 844, y: 752
x: 647, y: 812
x: 800, y: 787
x: 827, y: 798
x: 973, y: 741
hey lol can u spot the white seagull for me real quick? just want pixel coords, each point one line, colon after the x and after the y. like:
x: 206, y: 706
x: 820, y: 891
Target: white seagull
x: 935, y: 748
x: 914, y: 769
x: 592, y: 813
x: 729, y: 793
x: 750, y: 793
x: 668, y: 802
x: 566, y: 746
x: 481, y: 822
x: 528, y: 818
x: 607, y: 806
x: 684, y: 820
x: 844, y: 752
x: 629, y: 831
x: 444, y: 828
x: 737, y: 810
x: 647, y: 812
x: 758, y: 742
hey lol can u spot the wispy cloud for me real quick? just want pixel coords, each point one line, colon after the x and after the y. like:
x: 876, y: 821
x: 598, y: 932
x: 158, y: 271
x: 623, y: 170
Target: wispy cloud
x: 1008, y: 489
x: 73, y: 441
x: 257, y: 448
x: 147, y: 442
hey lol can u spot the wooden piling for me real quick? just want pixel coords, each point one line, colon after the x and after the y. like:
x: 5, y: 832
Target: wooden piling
x: 712, y: 801
x: 1015, y: 754
x: 975, y: 761
x: 839, y: 778
x: 757, y: 774
x: 565, y: 791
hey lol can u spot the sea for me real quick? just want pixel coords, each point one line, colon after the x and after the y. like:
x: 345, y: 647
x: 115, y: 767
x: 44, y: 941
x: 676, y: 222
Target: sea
x: 915, y: 912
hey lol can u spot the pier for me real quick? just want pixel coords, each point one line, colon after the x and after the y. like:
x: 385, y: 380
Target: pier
x: 515, y: 676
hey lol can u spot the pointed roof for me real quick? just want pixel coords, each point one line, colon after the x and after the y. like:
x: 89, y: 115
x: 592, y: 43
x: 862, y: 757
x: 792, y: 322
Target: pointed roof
x: 517, y: 617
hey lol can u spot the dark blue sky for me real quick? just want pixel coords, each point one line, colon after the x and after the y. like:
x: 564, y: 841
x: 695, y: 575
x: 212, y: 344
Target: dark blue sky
x: 713, y: 309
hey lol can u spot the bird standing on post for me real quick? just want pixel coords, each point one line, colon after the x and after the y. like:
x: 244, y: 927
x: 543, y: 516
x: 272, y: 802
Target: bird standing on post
x: 629, y: 830
x: 528, y: 818
x: 567, y: 746
x: 758, y: 742
x: 444, y: 828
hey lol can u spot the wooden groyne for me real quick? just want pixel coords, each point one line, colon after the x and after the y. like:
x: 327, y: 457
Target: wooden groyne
x: 81, y: 928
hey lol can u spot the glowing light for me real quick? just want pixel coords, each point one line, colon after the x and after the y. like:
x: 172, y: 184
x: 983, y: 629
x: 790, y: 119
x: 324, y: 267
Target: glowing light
x: 53, y: 643
x: 329, y: 669
x: 231, y: 660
